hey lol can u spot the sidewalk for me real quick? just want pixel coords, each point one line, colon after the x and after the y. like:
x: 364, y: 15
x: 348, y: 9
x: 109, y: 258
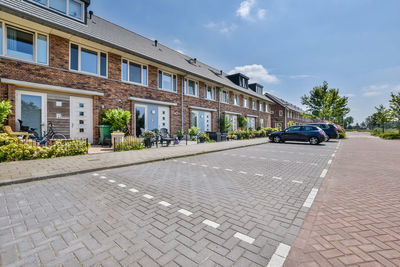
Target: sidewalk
x: 355, y: 218
x: 23, y: 171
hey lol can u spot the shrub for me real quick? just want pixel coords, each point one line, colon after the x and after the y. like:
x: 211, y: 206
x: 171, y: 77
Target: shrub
x: 390, y: 135
x: 5, y: 139
x: 291, y: 123
x: 242, y: 122
x: 342, y: 135
x: 193, y: 131
x: 5, y: 110
x: 270, y: 130
x: 118, y: 119
x: 129, y: 143
x: 206, y: 137
x: 224, y: 124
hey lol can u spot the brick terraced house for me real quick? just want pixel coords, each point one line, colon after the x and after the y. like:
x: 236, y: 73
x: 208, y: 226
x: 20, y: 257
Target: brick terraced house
x: 61, y: 63
x: 282, y: 112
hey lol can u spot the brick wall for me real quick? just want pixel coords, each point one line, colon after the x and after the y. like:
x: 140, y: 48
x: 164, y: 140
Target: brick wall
x: 275, y: 118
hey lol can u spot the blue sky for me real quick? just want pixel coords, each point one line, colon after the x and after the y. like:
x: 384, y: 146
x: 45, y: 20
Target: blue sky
x: 289, y: 46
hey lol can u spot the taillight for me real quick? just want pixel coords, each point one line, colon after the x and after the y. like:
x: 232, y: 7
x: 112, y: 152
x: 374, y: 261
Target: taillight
x: 334, y: 129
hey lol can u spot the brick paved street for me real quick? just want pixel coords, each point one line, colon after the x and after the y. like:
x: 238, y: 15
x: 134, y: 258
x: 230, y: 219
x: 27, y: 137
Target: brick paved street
x: 241, y: 207
x: 355, y: 219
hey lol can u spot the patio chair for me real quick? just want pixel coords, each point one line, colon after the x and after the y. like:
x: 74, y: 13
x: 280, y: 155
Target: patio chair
x: 165, y: 137
x: 25, y: 135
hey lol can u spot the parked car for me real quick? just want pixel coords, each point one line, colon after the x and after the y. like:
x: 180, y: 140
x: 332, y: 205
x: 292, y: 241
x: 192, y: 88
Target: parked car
x: 306, y: 133
x: 330, y: 129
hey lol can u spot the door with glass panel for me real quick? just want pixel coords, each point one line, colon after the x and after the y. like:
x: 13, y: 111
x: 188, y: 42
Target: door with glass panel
x: 31, y: 109
x: 81, y: 120
x: 140, y: 118
x: 163, y: 117
x: 207, y: 121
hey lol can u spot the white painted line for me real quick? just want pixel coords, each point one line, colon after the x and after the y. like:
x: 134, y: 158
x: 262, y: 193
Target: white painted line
x: 229, y: 170
x: 205, y: 166
x: 111, y: 181
x: 148, y: 196
x: 323, y: 174
x: 310, y: 198
x: 185, y: 212
x: 259, y: 174
x: 216, y: 168
x: 252, y: 157
x: 133, y: 190
x: 103, y: 177
x: 330, y: 162
x: 279, y: 257
x: 314, y: 164
x: 193, y: 163
x: 333, y: 155
x: 300, y: 162
x: 242, y: 156
x: 244, y: 238
x: 263, y: 158
x: 121, y: 185
x: 242, y: 172
x: 175, y: 160
x: 277, y: 178
x: 165, y: 204
x: 184, y: 162
x: 297, y: 182
x: 95, y: 174
x: 211, y: 223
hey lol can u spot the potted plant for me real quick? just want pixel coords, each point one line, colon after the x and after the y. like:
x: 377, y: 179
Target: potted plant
x: 224, y: 124
x: 203, y: 137
x: 114, y: 120
x: 194, y: 131
x: 242, y: 122
x: 180, y: 134
x: 149, y: 138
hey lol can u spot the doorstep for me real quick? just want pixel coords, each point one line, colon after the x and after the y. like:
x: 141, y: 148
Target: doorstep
x: 31, y: 170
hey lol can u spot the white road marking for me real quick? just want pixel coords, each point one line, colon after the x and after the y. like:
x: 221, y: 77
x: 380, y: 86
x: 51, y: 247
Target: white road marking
x: 216, y: 167
x: 314, y: 164
x: 148, y: 196
x: 277, y: 178
x: 185, y: 212
x: 133, y: 190
x: 211, y: 223
x: 310, y: 198
x: 242, y: 172
x: 193, y: 163
x: 300, y: 162
x: 323, y: 174
x: 103, y: 177
x: 252, y: 157
x: 263, y: 158
x: 205, y: 166
x: 297, y: 182
x: 242, y: 156
x: 330, y: 162
x: 229, y: 170
x: 95, y: 174
x: 244, y: 238
x: 333, y: 155
x: 259, y: 174
x: 184, y: 162
x: 111, y: 181
x: 165, y: 204
x: 175, y: 160
x: 279, y: 257
x: 121, y: 185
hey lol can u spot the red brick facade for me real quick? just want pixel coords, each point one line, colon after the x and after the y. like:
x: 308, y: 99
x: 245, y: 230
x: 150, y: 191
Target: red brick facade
x: 116, y: 92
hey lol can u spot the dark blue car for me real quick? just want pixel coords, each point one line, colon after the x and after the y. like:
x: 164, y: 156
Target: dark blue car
x: 305, y: 133
x: 330, y: 129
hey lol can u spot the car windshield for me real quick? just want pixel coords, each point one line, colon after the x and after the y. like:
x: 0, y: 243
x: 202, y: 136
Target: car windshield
x: 293, y: 129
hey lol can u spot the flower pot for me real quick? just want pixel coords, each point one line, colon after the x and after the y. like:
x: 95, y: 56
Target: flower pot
x: 180, y: 137
x: 202, y: 139
x: 148, y: 143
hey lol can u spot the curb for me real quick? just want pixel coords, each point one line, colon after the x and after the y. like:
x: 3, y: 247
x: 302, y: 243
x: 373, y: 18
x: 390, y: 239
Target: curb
x: 39, y: 178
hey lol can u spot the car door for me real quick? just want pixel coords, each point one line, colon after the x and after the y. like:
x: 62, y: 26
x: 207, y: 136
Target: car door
x: 292, y: 133
x: 305, y: 133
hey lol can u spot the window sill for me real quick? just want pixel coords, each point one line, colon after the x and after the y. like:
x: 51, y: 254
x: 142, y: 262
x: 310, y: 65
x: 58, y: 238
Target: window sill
x: 24, y: 60
x: 196, y: 96
x: 89, y: 73
x: 138, y: 84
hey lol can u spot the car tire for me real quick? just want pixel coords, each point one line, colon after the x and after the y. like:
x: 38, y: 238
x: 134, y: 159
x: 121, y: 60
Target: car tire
x: 277, y: 139
x: 313, y: 140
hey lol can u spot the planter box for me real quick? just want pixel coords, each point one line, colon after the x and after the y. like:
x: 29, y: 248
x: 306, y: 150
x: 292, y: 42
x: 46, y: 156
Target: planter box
x: 117, y: 137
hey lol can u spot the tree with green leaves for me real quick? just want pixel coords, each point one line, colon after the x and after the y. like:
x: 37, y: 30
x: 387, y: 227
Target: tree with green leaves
x: 325, y: 103
x: 5, y: 110
x: 383, y: 115
x: 395, y: 107
x: 347, y: 122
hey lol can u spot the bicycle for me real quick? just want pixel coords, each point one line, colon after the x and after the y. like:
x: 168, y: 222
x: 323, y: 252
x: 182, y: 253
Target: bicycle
x: 47, y: 136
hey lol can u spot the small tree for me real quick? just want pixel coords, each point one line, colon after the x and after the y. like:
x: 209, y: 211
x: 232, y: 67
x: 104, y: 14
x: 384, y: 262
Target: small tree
x: 5, y: 110
x: 291, y: 123
x: 224, y: 124
x: 348, y: 121
x: 395, y: 107
x: 242, y: 122
x: 118, y: 119
x: 382, y: 116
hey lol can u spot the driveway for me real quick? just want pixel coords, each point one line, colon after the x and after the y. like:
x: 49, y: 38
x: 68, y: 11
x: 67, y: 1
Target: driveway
x: 239, y: 207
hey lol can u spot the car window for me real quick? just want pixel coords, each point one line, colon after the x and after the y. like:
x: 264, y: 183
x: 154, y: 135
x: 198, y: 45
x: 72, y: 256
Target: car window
x: 309, y: 128
x: 294, y: 129
x: 323, y: 126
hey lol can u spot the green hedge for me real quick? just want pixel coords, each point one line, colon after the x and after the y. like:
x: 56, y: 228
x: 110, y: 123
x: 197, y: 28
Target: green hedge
x: 14, y: 151
x: 248, y: 133
x: 389, y: 134
x: 129, y: 143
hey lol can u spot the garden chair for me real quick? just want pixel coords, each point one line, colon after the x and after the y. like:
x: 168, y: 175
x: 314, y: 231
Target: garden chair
x: 25, y: 135
x: 165, y: 137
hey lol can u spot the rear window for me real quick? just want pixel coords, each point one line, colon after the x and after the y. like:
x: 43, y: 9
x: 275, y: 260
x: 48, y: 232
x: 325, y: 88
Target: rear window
x: 323, y: 126
x: 310, y: 128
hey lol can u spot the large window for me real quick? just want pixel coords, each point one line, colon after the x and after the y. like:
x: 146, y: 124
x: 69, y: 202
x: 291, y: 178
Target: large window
x: 133, y: 72
x: 88, y: 60
x: 22, y: 44
x: 246, y: 102
x: 209, y: 92
x: 254, y: 105
x: 71, y: 8
x: 266, y: 108
x: 224, y: 96
x: 236, y: 100
x: 167, y: 81
x: 261, y: 108
x: 191, y: 87
x: 233, y: 120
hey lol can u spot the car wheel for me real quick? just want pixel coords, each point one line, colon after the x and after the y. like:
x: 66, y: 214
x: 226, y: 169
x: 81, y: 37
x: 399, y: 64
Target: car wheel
x: 277, y: 139
x: 313, y: 140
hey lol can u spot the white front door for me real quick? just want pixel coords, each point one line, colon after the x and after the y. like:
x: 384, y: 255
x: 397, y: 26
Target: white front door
x: 207, y: 121
x: 31, y: 109
x: 163, y: 117
x: 81, y: 119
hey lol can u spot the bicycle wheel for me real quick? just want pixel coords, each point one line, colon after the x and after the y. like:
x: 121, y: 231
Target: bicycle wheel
x: 58, y: 136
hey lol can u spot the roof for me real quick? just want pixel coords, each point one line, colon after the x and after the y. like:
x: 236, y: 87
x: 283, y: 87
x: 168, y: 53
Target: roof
x: 104, y: 32
x: 284, y: 103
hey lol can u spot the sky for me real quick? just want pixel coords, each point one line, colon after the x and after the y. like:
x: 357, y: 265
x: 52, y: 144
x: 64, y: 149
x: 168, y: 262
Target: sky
x: 289, y: 46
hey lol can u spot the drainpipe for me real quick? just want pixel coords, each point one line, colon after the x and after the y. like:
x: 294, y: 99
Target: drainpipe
x: 182, y: 92
x: 286, y: 117
x: 219, y: 109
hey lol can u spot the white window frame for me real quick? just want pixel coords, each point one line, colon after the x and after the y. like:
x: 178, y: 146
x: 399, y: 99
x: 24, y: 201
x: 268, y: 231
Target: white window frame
x: 254, y: 105
x: 280, y: 113
x: 261, y: 107
x: 35, y: 34
x: 246, y: 102
x: 162, y: 85
x: 261, y: 122
x: 236, y: 100
x: 227, y: 96
x: 47, y: 5
x: 213, y: 92
x: 141, y: 72
x: 267, y: 108
x: 79, y: 60
x: 186, y: 87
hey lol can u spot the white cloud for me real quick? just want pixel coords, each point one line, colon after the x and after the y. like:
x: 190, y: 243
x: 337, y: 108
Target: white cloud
x: 256, y: 73
x: 349, y: 95
x: 245, y: 11
x: 374, y: 90
x: 177, y: 42
x: 221, y: 27
x: 261, y: 13
x: 300, y: 76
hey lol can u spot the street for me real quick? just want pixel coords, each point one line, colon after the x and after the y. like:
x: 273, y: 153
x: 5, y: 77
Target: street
x: 227, y: 208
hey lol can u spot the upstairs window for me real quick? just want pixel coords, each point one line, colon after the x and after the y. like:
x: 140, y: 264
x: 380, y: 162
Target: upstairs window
x: 259, y: 89
x: 254, y: 105
x: 224, y: 96
x: 209, y: 92
x: 167, y: 81
x: 261, y: 107
x: 243, y: 82
x: 246, y: 102
x: 133, y: 72
x: 191, y: 87
x: 236, y: 100
x: 71, y: 8
x: 88, y: 61
x: 22, y: 44
x: 266, y: 108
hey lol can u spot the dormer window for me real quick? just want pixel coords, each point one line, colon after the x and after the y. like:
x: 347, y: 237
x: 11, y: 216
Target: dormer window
x: 243, y: 82
x: 259, y: 90
x: 71, y: 8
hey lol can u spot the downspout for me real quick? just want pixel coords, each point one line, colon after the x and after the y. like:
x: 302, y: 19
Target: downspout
x: 286, y: 117
x: 182, y: 93
x: 219, y: 110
